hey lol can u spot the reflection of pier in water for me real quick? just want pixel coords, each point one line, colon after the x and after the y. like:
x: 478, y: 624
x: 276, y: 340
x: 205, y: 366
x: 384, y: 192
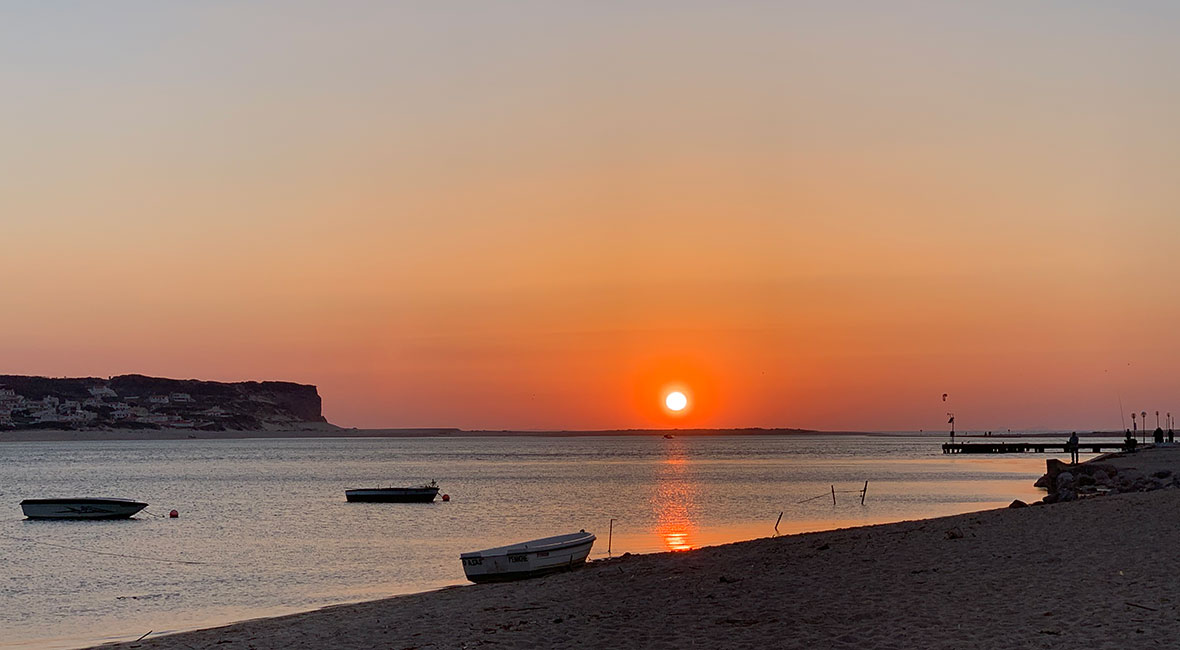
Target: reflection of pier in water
x: 673, y: 501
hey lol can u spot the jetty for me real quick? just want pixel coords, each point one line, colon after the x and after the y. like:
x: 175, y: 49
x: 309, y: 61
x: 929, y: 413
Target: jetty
x: 1033, y: 447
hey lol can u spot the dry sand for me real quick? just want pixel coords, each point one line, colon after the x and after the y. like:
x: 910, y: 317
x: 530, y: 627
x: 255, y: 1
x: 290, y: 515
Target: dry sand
x: 1154, y: 458
x: 1096, y: 573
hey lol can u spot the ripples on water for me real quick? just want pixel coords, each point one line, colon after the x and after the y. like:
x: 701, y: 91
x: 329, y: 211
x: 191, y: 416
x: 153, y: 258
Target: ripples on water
x: 264, y: 528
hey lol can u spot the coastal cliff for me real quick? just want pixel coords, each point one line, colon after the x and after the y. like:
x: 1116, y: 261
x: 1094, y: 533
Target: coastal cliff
x: 139, y: 402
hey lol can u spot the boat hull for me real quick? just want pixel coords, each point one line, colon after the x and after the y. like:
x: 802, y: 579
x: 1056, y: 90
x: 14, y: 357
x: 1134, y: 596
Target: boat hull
x: 83, y: 508
x: 392, y: 495
x: 528, y: 559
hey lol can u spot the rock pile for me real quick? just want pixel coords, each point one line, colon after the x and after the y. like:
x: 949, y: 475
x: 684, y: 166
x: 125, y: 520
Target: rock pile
x: 1066, y: 482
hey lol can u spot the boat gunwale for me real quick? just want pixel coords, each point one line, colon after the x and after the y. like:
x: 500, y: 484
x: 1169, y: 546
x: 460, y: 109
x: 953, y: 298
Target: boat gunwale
x: 399, y: 490
x: 523, y: 547
x: 86, y: 500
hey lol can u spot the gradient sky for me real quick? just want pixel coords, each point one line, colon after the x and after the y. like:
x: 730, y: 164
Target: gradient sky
x: 544, y: 215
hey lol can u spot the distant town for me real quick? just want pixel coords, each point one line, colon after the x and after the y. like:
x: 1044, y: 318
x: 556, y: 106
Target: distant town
x: 105, y: 406
x: 136, y: 401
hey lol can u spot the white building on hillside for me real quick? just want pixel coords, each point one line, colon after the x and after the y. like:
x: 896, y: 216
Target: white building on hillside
x: 78, y: 416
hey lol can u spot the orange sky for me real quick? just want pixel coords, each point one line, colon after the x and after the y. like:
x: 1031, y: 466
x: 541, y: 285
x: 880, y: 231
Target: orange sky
x: 806, y: 215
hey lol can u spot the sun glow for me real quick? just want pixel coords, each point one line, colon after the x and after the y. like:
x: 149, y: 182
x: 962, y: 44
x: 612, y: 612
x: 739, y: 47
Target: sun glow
x: 676, y: 401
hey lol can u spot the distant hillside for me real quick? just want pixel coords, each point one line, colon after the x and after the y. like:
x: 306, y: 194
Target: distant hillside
x: 139, y: 402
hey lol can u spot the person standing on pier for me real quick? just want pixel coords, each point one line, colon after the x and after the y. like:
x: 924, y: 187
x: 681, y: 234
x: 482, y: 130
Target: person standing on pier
x: 1073, y: 447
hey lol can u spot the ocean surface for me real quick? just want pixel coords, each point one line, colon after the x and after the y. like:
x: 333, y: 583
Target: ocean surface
x: 264, y: 528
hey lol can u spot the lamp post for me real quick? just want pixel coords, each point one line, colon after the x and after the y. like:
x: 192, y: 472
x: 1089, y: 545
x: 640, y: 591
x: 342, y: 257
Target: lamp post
x: 1143, y: 414
x: 1134, y: 425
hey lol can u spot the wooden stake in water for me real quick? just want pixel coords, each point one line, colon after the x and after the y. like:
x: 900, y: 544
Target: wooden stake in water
x: 863, y: 493
x: 833, y: 495
x: 780, y: 518
x: 610, y: 536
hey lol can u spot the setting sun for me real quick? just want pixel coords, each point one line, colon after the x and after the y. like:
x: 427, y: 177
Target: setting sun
x: 676, y: 401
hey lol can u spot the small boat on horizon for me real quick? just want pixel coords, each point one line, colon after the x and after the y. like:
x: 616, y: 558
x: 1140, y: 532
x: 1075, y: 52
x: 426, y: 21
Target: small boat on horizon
x: 421, y: 494
x: 668, y: 436
x: 528, y: 559
x: 81, y: 508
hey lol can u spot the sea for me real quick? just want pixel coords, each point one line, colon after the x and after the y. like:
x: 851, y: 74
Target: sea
x: 264, y: 528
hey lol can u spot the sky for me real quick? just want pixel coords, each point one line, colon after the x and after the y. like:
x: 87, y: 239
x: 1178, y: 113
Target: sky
x: 519, y: 215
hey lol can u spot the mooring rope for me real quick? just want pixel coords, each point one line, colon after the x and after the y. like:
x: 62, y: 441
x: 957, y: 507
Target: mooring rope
x: 833, y: 492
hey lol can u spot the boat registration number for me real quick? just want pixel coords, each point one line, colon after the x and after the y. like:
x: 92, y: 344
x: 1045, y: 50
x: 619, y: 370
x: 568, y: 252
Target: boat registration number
x: 518, y: 558
x: 472, y: 561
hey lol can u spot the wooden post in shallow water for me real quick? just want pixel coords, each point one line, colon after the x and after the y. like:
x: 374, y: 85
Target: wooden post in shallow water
x: 610, y: 536
x: 780, y: 518
x: 833, y: 495
x: 863, y: 493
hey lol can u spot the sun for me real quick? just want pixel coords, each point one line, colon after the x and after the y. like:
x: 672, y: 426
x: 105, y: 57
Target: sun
x: 676, y: 401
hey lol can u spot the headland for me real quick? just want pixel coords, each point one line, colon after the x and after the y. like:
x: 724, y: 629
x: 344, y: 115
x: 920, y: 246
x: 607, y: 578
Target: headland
x: 136, y: 403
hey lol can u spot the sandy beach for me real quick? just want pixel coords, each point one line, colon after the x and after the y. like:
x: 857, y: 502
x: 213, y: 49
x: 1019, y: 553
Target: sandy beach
x: 1096, y: 572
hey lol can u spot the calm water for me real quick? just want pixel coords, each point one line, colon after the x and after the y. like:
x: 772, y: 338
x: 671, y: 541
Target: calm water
x: 264, y: 528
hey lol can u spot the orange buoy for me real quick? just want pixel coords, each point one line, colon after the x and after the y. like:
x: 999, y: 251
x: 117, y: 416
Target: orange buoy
x: 173, y: 514
x: 446, y: 497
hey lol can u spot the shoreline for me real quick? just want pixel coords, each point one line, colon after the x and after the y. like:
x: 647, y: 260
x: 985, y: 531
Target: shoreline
x: 317, y: 430
x: 1095, y: 571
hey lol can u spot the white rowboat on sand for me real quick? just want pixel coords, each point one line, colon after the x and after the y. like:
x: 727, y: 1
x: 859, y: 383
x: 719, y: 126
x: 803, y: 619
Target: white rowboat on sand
x: 528, y: 559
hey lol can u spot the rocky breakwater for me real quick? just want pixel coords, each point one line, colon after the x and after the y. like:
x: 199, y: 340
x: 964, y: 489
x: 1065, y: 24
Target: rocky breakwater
x: 1150, y: 468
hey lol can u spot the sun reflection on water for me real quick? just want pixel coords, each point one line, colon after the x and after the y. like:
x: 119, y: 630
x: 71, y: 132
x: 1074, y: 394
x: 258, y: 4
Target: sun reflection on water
x: 672, y: 501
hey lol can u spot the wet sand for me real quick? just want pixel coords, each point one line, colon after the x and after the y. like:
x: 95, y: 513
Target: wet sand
x: 1094, y: 573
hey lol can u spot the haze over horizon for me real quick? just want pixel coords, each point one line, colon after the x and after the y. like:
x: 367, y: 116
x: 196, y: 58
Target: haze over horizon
x: 549, y: 215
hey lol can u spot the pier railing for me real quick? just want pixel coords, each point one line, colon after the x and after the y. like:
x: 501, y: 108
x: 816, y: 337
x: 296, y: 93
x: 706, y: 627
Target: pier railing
x: 1032, y: 447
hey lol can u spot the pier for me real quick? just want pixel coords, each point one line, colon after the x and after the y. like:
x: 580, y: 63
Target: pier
x: 1030, y: 447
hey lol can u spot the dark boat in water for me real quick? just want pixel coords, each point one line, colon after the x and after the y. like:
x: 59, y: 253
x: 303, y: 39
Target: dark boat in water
x: 81, y: 508
x: 420, y: 494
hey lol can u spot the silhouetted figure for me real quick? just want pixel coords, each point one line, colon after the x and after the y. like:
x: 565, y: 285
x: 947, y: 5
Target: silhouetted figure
x: 1159, y: 434
x: 1129, y: 442
x: 1073, y: 447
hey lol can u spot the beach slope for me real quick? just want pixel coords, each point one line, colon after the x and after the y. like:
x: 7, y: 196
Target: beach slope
x: 1095, y: 573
